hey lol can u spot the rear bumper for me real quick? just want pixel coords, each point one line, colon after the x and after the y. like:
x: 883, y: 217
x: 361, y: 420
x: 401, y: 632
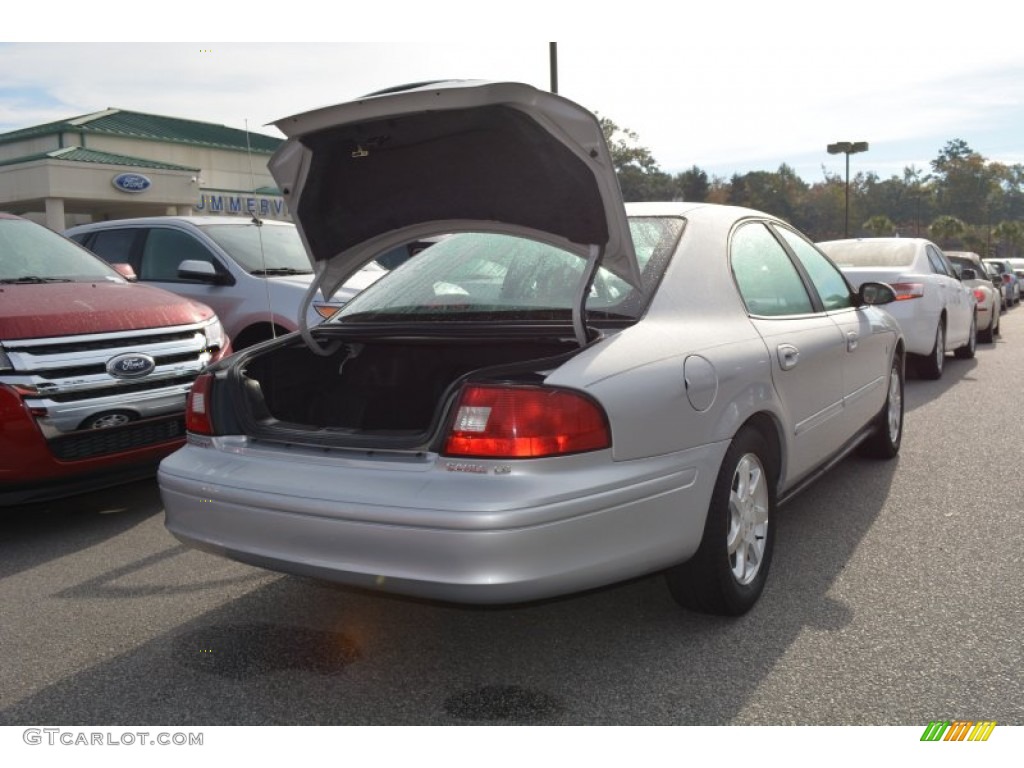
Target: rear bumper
x: 534, y: 532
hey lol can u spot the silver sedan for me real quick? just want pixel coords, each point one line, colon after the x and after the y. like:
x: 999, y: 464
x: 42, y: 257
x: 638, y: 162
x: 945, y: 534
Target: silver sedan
x: 564, y: 393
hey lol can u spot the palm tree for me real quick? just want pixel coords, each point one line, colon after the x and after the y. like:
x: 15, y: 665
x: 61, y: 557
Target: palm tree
x: 1009, y: 233
x: 880, y: 225
x: 946, y: 229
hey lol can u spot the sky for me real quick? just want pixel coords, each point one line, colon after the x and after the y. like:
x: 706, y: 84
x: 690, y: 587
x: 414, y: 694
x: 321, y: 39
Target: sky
x: 736, y: 87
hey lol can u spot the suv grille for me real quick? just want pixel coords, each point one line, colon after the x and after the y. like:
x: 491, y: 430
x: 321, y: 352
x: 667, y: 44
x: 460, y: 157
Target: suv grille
x: 100, y: 442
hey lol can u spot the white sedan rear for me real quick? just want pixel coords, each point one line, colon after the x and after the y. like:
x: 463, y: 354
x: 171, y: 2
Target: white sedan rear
x: 935, y: 310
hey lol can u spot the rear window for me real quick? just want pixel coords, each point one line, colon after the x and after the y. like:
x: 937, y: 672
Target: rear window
x: 485, y: 276
x: 961, y: 264
x: 864, y: 253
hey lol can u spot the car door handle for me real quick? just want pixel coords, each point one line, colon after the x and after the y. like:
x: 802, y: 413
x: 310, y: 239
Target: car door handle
x: 852, y: 339
x: 789, y: 356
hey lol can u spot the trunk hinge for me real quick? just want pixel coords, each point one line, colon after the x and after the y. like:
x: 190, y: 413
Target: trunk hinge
x: 304, y: 330
x: 579, y: 306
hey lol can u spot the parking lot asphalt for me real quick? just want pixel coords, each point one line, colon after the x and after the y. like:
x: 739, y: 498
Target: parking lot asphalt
x: 896, y: 597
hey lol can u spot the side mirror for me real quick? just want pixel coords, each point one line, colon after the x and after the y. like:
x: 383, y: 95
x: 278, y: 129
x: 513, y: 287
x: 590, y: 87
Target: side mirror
x: 968, y: 274
x: 203, y: 271
x: 875, y: 294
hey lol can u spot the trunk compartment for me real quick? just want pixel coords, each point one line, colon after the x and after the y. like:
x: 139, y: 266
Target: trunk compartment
x: 387, y: 392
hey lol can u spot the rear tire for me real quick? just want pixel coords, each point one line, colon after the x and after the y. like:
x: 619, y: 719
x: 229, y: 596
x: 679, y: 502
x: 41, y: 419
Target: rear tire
x: 930, y: 367
x: 988, y: 335
x: 966, y: 352
x: 727, y: 574
x: 888, y: 433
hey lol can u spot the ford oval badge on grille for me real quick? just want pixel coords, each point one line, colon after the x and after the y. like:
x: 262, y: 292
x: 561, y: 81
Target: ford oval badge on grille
x: 130, y: 366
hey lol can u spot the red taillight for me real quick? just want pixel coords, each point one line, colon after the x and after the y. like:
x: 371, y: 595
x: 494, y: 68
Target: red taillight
x: 979, y: 295
x: 525, y: 422
x: 906, y: 291
x: 197, y: 406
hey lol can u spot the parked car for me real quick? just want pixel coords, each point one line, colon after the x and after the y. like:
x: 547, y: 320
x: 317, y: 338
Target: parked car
x: 93, y: 369
x: 565, y: 393
x: 1011, y: 283
x: 254, y: 273
x: 989, y: 299
x: 1018, y: 270
x: 933, y: 307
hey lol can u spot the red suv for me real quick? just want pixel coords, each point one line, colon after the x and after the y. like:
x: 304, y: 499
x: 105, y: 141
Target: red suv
x: 94, y: 368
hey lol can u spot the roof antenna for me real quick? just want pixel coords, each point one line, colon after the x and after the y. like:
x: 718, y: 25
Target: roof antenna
x: 259, y: 233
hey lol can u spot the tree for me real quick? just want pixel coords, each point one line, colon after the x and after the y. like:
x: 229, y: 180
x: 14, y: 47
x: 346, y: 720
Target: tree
x: 879, y: 225
x: 692, y: 185
x: 1009, y: 234
x: 639, y: 176
x: 780, y: 193
x: 966, y: 182
x: 625, y: 150
x: 945, y: 229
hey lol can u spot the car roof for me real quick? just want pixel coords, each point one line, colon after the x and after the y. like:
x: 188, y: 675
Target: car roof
x: 196, y: 221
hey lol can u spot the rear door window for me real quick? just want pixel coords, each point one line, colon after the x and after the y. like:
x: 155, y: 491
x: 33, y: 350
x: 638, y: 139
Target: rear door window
x: 767, y: 280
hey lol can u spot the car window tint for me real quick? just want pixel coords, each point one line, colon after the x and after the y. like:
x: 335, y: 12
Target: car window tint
x: 263, y: 247
x: 165, y: 249
x: 766, y: 278
x: 479, y: 275
x: 115, y: 246
x: 28, y: 249
x: 827, y: 279
x: 937, y: 265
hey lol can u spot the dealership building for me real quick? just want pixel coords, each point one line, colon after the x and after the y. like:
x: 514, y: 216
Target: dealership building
x: 118, y: 164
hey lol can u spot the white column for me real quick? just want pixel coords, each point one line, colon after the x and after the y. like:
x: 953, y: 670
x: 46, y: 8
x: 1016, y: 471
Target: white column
x: 55, y: 214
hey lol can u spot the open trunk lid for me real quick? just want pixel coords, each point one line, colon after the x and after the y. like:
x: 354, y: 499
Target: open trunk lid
x: 367, y: 175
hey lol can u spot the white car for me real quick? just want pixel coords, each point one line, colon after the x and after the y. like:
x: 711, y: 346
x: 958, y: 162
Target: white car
x: 933, y: 307
x: 566, y: 392
x: 989, y: 298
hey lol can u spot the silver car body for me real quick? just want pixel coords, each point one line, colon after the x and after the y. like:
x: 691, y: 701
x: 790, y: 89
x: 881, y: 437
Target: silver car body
x: 1011, y: 282
x: 249, y: 303
x: 944, y: 300
x: 677, y: 385
x: 987, y: 296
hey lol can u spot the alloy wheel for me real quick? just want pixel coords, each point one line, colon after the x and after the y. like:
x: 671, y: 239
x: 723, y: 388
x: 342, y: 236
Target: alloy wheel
x: 748, y: 518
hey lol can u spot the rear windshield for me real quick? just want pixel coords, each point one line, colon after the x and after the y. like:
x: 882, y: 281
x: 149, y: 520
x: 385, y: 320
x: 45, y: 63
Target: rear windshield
x: 962, y: 263
x: 864, y: 253
x: 484, y: 276
x: 31, y: 253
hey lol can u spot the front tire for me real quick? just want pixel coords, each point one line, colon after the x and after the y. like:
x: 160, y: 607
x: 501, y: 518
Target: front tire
x: 727, y: 574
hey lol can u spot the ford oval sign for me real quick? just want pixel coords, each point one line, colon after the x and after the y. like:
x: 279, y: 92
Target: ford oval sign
x: 132, y: 182
x: 130, y: 366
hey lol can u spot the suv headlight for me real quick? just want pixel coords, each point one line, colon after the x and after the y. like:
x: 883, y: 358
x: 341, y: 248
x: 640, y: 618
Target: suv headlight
x: 214, y: 332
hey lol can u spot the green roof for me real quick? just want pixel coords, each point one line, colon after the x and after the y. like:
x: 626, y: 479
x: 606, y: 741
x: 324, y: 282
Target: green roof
x: 82, y: 155
x: 138, y: 125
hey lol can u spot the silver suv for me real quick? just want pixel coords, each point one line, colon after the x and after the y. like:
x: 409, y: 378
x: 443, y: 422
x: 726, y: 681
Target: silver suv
x: 253, y: 273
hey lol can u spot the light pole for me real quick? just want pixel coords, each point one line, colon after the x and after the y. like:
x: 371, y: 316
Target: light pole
x: 847, y: 148
x: 553, y: 60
